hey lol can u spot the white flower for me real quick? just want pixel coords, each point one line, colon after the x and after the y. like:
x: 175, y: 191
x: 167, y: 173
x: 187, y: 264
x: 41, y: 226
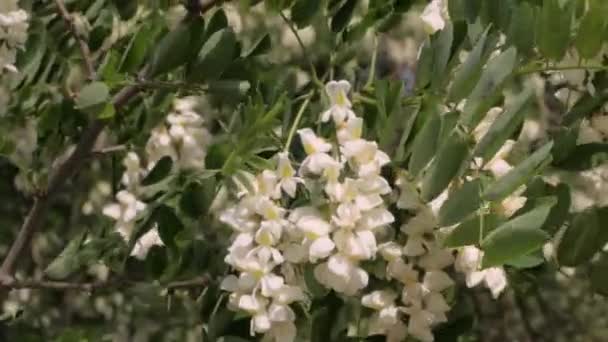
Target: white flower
x: 341, y: 274
x: 437, y: 281
x: 420, y: 323
x: 434, y: 16
x: 468, y: 262
x: 287, y: 179
x: 316, y: 232
x: 350, y: 130
x: 145, y: 242
x: 124, y: 212
x: 365, y: 154
x: 133, y: 171
x: 340, y: 106
x: 378, y: 300
x: 313, y: 144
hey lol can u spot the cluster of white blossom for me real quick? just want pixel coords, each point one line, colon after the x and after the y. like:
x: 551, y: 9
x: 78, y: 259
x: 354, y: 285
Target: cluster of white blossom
x: 184, y: 138
x: 435, y: 15
x: 13, y: 33
x: 337, y: 231
x: 417, y: 262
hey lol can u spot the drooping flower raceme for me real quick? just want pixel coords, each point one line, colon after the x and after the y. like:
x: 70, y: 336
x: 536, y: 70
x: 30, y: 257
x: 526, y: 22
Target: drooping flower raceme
x: 340, y: 231
x: 183, y: 138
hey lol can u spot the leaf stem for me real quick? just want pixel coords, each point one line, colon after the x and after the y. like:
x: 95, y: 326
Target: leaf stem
x: 313, y: 71
x: 372, y: 72
x: 296, y: 122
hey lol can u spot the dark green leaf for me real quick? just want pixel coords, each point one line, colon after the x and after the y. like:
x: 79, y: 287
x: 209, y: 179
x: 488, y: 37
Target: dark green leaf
x: 527, y: 261
x: 517, y: 237
x: 599, y: 275
x: 424, y: 70
x: 585, y: 106
x: 461, y: 203
x: 584, y: 157
x: 343, y: 16
x: 215, y: 56
x: 126, y: 9
x: 468, y: 232
x: 314, y: 287
x: 160, y: 171
x: 519, y: 175
x: 196, y: 198
x: 260, y: 47
x: 491, y: 81
x: 468, y: 73
x: 168, y: 224
x: 445, y: 166
x: 171, y: 51
x: 425, y: 145
x: 303, y: 11
x: 588, y: 41
x: 580, y: 241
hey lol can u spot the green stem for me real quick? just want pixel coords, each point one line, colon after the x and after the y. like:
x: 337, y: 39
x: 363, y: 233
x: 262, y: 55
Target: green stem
x: 293, y: 30
x: 531, y: 70
x: 296, y: 122
x: 372, y: 72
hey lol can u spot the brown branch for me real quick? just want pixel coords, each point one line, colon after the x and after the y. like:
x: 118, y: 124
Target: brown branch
x: 62, y: 173
x: 98, y: 285
x: 82, y: 45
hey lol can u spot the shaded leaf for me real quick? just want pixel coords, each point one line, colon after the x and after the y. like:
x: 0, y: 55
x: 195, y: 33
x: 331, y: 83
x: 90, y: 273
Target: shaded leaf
x: 580, y: 240
x: 461, y: 203
x: 519, y: 175
x: 517, y: 237
x: 160, y: 171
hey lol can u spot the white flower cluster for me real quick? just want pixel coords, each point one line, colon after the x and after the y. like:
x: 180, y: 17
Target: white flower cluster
x: 416, y: 262
x: 185, y: 140
x: 336, y: 231
x: 13, y: 33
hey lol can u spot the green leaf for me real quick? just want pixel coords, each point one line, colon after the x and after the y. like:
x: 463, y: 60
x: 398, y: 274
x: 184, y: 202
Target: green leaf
x: 277, y: 5
x: 171, y: 51
x: 584, y: 157
x: 67, y: 262
x: 260, y: 47
x: 303, y: 12
x: 503, y: 127
x: 445, y: 166
x: 519, y: 175
x: 425, y: 145
x: 580, y: 240
x: 585, y: 106
x: 467, y: 233
x: 424, y: 69
x: 168, y: 224
x: 215, y: 57
x: 126, y: 9
x: 469, y: 72
x: 522, y: 27
x: 461, y: 203
x: 159, y: 172
x: 554, y: 29
x: 197, y: 197
x: 526, y: 261
x: 517, y: 237
x: 491, y: 81
x: 92, y: 95
x: 598, y: 275
x: 218, y: 21
x: 343, y: 16
x: 442, y: 47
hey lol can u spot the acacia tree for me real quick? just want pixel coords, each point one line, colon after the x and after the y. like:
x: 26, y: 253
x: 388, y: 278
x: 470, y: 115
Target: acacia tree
x: 173, y: 171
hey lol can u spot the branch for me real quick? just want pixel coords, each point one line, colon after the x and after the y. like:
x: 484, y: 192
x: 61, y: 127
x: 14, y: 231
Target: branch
x: 97, y: 285
x: 65, y: 171
x: 82, y: 45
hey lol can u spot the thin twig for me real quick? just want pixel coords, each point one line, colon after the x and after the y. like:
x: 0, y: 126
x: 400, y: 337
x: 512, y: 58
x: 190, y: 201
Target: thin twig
x: 108, y: 150
x: 313, y: 71
x: 530, y: 70
x: 372, y: 71
x: 60, y: 175
x: 82, y: 45
x: 96, y: 285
